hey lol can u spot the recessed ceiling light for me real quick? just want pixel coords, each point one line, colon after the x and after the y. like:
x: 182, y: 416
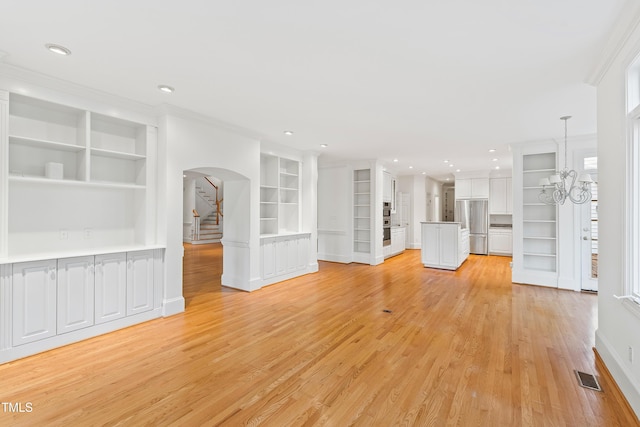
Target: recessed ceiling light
x: 450, y: 165
x: 410, y: 167
x: 324, y: 145
x: 184, y: 176
x: 56, y: 48
x: 457, y: 170
x: 494, y: 160
x: 497, y: 167
x: 166, y: 89
x: 395, y: 160
x: 492, y: 150
x: 446, y: 161
x: 288, y: 132
x: 424, y: 173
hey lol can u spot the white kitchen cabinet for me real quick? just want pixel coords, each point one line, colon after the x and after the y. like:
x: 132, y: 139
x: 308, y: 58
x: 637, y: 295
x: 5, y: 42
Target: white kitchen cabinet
x: 463, y: 188
x: 110, y: 287
x: 480, y: 188
x: 500, y: 197
x: 76, y: 298
x: 472, y: 188
x: 139, y: 282
x: 34, y: 301
x: 398, y: 236
x: 387, y: 187
x: 444, y: 245
x: 500, y: 242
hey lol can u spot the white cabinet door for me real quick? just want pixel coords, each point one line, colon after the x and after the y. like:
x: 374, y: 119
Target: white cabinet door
x: 397, y: 240
x: 448, y: 246
x: 463, y: 189
x: 75, y: 293
x: 480, y: 188
x: 303, y: 253
x: 430, y: 244
x: 268, y: 258
x: 111, y: 287
x: 34, y: 301
x: 139, y: 282
x: 500, y: 243
x: 282, y: 251
x: 498, y: 196
x: 386, y: 187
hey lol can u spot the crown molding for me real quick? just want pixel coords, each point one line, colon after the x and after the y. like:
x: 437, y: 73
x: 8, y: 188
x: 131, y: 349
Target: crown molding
x: 184, y: 113
x: 32, y: 83
x: 626, y: 23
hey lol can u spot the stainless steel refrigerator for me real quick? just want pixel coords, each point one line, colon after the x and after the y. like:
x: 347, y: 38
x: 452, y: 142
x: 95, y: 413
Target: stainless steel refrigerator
x: 474, y: 216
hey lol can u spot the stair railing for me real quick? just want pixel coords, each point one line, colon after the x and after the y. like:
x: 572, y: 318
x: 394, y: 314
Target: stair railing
x: 196, y: 226
x: 218, y: 202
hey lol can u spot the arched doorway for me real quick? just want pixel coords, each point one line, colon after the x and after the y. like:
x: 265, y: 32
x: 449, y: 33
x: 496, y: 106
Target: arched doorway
x: 225, y: 257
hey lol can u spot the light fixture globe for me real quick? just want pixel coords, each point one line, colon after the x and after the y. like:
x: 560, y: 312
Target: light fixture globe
x: 565, y: 184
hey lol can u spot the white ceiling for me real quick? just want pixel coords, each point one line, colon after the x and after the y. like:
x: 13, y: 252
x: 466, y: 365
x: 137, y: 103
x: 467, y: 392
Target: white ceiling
x: 417, y: 80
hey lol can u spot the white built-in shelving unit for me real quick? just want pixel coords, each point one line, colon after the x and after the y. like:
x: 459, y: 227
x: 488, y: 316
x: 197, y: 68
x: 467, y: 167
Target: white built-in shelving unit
x: 362, y: 214
x: 101, y: 197
x: 279, y: 195
x: 78, y: 250
x: 539, y: 221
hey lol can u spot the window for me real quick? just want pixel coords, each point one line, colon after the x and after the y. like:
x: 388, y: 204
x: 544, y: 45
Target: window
x: 632, y: 244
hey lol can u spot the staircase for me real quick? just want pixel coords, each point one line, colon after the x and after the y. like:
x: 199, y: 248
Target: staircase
x: 210, y: 232
x: 210, y: 225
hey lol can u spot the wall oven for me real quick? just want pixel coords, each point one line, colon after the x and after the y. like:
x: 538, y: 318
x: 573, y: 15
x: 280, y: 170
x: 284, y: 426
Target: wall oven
x: 386, y: 223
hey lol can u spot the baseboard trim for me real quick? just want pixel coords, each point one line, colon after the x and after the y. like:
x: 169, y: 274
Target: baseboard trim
x: 620, y: 375
x: 173, y: 306
x: 602, y: 368
x: 335, y: 258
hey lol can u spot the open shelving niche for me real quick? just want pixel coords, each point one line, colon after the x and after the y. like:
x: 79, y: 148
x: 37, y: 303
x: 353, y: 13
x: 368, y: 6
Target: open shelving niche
x: 539, y: 221
x: 101, y: 200
x: 362, y: 215
x: 279, y: 195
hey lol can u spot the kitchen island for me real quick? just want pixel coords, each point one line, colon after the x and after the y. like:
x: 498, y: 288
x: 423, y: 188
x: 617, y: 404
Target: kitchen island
x: 445, y: 245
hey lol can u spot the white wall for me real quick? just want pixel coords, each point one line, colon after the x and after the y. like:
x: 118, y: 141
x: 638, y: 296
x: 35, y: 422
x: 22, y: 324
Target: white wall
x: 335, y: 215
x: 190, y: 143
x: 416, y: 186
x: 618, y: 325
x: 435, y: 199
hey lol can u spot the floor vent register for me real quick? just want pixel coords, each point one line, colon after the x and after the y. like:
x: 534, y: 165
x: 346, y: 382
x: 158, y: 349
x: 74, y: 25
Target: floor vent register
x: 588, y: 381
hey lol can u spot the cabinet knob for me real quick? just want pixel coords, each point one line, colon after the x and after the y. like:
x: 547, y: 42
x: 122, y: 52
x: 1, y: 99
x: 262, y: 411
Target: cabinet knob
x: 585, y: 238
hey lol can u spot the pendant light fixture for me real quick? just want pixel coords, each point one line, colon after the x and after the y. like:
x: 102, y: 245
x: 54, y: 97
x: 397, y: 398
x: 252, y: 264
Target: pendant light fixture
x: 565, y: 184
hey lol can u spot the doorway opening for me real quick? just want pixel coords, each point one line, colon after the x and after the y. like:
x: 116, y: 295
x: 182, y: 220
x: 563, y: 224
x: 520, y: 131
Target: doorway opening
x: 209, y: 217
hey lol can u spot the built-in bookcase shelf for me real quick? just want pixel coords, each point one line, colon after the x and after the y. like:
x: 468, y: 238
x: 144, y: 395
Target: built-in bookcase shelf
x: 76, y: 179
x: 539, y: 221
x: 279, y: 195
x: 362, y: 211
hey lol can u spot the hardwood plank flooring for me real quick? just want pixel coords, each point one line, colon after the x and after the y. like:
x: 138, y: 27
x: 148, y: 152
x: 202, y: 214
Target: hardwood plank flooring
x: 465, y: 348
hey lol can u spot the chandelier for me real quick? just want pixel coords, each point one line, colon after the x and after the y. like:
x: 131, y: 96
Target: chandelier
x: 562, y: 185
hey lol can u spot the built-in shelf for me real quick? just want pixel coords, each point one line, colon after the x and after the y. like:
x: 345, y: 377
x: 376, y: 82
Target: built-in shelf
x: 116, y: 154
x: 58, y: 156
x: 46, y: 144
x: 362, y: 214
x: 539, y: 220
x: 279, y: 195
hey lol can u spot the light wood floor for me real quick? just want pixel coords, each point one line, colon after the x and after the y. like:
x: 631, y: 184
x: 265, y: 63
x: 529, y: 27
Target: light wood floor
x: 463, y: 348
